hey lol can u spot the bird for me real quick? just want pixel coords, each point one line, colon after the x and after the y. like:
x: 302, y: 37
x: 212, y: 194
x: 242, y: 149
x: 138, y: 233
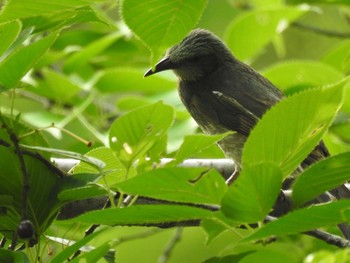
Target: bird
x: 224, y: 94
x: 221, y: 93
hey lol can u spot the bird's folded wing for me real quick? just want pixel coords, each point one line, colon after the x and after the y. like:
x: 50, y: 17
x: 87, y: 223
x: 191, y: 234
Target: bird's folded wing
x: 233, y: 115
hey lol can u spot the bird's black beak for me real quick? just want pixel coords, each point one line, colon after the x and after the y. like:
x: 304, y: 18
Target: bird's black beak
x: 163, y: 64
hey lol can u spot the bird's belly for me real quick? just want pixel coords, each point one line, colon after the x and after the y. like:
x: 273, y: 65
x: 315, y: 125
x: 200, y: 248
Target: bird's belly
x: 231, y: 145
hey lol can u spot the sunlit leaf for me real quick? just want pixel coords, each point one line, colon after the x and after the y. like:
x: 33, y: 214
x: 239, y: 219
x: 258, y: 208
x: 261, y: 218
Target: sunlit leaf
x: 21, y: 9
x: 14, y: 67
x: 9, y: 32
x: 165, y: 23
x: 72, y: 248
x: 84, y: 55
x: 306, y: 74
x: 143, y: 215
x: 252, y: 195
x: 195, y: 185
x: 250, y: 32
x: 193, y: 144
x: 305, y: 117
x: 322, y: 176
x: 136, y: 132
x: 304, y: 220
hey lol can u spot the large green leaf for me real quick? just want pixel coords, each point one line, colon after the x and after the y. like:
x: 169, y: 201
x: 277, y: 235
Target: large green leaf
x: 322, y: 176
x: 13, y: 256
x: 80, y: 186
x: 65, y: 18
x: 113, y: 172
x: 290, y: 130
x: 136, y: 132
x: 97, y: 253
x: 72, y: 248
x: 42, y: 197
x: 165, y: 23
x: 84, y: 55
x: 143, y: 215
x: 21, y: 8
x: 320, y: 2
x: 250, y: 32
x: 59, y: 86
x: 9, y: 32
x: 252, y: 195
x: 195, y: 143
x: 14, y: 67
x: 190, y: 185
x: 293, y: 76
x: 339, y: 56
x: 304, y: 220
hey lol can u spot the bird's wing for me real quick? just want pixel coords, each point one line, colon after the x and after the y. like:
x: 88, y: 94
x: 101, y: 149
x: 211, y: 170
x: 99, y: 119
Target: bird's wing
x: 240, y: 120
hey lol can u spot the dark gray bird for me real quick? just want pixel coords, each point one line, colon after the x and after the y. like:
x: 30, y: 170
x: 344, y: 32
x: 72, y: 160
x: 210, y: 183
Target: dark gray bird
x: 223, y: 94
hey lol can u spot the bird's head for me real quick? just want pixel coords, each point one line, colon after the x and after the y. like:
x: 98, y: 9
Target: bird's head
x: 198, y: 55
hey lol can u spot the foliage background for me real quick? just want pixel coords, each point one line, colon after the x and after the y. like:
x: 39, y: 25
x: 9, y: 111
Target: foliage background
x: 77, y: 64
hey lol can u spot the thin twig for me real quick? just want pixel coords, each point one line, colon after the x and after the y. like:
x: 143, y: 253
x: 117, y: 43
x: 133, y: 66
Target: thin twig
x: 23, y: 167
x: 322, y: 235
x: 321, y: 31
x: 138, y: 236
x: 170, y: 247
x: 329, y: 238
x: 3, y: 241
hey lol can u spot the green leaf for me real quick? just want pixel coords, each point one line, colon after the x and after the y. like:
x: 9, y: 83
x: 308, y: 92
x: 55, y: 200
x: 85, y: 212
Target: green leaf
x: 84, y: 55
x: 90, y: 160
x: 59, y: 86
x: 320, y: 177
x: 165, y: 23
x: 195, y: 143
x: 42, y: 194
x: 250, y: 198
x: 305, y: 74
x: 95, y: 254
x: 113, y: 172
x: 143, y: 215
x: 9, y: 32
x: 304, y: 220
x: 271, y: 255
x: 81, y: 193
x: 217, y: 225
x: 136, y: 132
x: 21, y: 9
x: 305, y: 117
x: 13, y: 256
x: 131, y: 80
x: 72, y: 248
x: 229, y: 258
x: 250, y: 32
x: 190, y: 185
x: 320, y: 2
x: 339, y: 56
x: 14, y: 67
x: 65, y: 18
